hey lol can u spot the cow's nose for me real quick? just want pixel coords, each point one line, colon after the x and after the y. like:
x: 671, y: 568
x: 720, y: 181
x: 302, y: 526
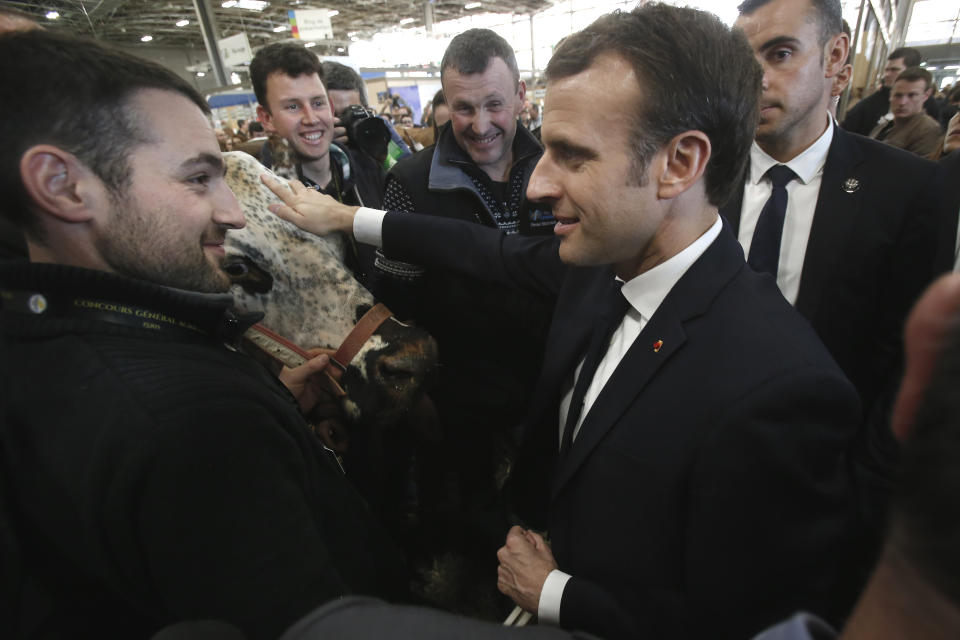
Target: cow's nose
x: 408, y: 366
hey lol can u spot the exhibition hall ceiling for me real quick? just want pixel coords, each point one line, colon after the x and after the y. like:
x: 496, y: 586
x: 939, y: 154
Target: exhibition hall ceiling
x: 128, y: 22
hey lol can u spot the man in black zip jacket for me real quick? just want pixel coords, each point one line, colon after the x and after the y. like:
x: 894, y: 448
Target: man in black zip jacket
x: 150, y: 472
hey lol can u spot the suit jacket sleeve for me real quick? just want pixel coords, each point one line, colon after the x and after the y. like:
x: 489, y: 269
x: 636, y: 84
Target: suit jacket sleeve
x: 770, y: 479
x: 529, y: 263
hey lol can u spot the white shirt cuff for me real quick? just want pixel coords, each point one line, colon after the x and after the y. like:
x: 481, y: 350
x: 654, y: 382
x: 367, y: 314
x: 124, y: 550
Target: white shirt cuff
x: 548, y: 609
x: 368, y: 226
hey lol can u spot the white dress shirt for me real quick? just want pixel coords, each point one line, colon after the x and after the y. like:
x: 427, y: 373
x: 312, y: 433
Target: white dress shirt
x: 645, y: 292
x: 802, y: 195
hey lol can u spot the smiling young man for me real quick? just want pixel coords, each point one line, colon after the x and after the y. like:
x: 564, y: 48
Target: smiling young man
x: 686, y: 443
x: 911, y: 128
x: 289, y: 84
x: 844, y: 224
x: 151, y: 472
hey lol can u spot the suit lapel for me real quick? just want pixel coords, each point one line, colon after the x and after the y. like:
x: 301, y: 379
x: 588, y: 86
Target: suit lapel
x: 633, y: 373
x: 690, y: 297
x: 568, y: 342
x: 838, y: 206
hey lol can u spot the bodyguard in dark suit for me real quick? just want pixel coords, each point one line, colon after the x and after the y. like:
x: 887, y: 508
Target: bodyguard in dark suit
x: 854, y: 246
x: 686, y: 452
x: 949, y: 198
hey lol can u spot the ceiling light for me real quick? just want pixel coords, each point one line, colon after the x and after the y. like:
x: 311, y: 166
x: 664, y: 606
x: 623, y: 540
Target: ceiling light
x: 146, y: 38
x: 52, y: 15
x: 351, y: 34
x: 253, y: 5
x: 340, y: 49
x: 354, y: 38
x: 930, y: 68
x: 200, y: 74
x: 280, y: 29
x: 229, y: 4
x: 182, y: 23
x: 472, y: 5
x: 951, y: 66
x: 333, y: 13
x: 234, y: 78
x: 407, y: 20
x: 310, y: 44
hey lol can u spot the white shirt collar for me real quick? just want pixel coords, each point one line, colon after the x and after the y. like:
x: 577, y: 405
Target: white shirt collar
x: 806, y: 165
x: 646, y: 291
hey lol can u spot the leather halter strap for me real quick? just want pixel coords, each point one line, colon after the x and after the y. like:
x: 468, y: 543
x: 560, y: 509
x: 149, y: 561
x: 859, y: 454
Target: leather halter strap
x: 286, y: 352
x: 362, y: 331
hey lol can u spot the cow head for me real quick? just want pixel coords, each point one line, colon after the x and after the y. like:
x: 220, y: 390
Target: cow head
x: 309, y: 297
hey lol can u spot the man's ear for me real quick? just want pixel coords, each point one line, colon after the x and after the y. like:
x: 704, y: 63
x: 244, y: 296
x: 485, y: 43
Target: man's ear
x: 835, y: 54
x: 264, y: 117
x: 58, y: 183
x: 521, y: 94
x: 685, y: 160
x: 841, y: 80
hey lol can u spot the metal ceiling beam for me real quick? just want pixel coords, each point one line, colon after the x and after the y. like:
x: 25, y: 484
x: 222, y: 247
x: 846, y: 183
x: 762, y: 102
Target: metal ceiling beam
x: 105, y: 7
x: 208, y: 26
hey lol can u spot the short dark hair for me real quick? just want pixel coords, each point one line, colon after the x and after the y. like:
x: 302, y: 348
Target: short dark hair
x: 72, y: 93
x: 289, y: 58
x: 255, y: 127
x: 340, y: 77
x: 925, y: 520
x: 911, y: 57
x: 439, y: 99
x: 912, y: 74
x: 695, y: 74
x: 829, y: 15
x: 471, y: 51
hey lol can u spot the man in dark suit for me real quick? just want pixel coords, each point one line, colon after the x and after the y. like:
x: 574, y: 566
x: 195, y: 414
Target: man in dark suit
x: 947, y: 254
x: 854, y: 246
x: 687, y: 452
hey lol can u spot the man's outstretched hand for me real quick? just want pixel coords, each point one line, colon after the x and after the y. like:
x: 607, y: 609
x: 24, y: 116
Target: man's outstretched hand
x: 310, y: 210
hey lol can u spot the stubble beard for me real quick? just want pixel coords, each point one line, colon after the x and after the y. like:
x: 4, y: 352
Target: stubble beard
x: 137, y: 248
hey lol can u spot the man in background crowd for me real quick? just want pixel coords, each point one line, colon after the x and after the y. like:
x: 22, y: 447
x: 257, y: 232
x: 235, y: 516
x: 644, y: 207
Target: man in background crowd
x: 911, y: 128
x: 293, y: 104
x: 866, y: 114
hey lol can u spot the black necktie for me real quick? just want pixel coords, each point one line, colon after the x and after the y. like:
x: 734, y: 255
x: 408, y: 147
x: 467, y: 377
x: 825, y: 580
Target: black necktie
x: 765, y: 247
x: 609, y: 316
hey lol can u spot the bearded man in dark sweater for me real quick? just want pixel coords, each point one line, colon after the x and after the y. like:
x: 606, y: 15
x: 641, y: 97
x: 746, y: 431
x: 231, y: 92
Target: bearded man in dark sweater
x: 150, y: 473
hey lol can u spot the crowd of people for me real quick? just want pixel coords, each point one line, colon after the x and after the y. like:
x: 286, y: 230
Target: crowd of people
x: 698, y: 343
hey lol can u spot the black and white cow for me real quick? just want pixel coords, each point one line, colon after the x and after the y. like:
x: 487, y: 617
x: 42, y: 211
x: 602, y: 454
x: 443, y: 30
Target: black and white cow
x: 309, y: 297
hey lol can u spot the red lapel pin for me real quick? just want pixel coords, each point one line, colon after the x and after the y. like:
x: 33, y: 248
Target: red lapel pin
x: 657, y: 345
